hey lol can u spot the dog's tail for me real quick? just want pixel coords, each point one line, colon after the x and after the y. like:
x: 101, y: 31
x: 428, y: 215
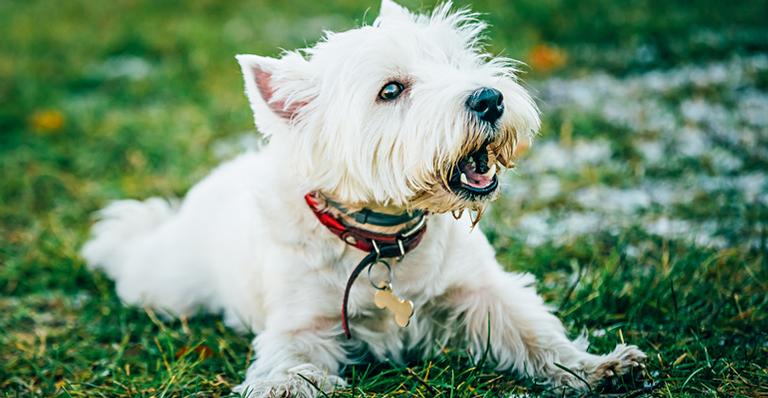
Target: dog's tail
x: 118, y: 225
x: 142, y: 246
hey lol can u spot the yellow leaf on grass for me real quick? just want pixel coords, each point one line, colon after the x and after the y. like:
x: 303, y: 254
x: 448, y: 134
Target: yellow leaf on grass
x: 544, y: 58
x: 46, y: 121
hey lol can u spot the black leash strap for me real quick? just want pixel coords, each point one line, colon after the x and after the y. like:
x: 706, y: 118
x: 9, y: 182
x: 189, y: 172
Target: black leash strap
x: 370, y: 258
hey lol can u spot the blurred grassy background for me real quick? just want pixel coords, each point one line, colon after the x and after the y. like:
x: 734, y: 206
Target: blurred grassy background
x: 128, y: 98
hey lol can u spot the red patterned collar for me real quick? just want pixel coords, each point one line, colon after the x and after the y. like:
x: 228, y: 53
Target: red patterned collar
x: 359, y: 229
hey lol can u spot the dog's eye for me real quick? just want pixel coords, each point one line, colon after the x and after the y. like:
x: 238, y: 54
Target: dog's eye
x: 391, y: 91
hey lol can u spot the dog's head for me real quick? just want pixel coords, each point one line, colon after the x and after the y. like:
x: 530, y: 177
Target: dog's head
x: 408, y: 113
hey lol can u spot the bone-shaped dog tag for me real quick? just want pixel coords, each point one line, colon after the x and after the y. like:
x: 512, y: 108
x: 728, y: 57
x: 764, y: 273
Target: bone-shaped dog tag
x: 401, y: 308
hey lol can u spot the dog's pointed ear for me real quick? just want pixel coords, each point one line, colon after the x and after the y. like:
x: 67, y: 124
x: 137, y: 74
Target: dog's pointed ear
x: 391, y: 11
x: 278, y: 89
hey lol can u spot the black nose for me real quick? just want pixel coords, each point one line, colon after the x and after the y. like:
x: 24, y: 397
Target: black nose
x: 487, y: 104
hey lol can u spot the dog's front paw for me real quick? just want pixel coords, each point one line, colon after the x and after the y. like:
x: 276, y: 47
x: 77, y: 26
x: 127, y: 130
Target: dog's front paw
x: 601, y: 370
x: 303, y: 381
x: 624, y: 359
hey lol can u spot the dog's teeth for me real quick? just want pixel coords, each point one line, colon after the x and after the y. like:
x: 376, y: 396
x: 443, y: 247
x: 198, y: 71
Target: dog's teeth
x: 491, y: 171
x: 464, y: 179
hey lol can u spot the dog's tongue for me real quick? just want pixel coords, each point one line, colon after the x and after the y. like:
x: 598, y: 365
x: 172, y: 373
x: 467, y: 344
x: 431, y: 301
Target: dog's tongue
x: 475, y: 179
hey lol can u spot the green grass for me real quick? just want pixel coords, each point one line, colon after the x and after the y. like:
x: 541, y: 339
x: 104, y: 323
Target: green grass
x: 699, y: 312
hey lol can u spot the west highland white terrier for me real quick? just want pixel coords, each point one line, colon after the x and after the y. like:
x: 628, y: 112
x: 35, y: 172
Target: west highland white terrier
x: 378, y: 139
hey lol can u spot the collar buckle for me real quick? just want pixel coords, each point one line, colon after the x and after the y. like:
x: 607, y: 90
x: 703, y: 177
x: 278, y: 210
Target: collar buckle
x: 376, y: 249
x: 416, y: 228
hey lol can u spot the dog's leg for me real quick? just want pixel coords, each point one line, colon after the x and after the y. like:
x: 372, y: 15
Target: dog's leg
x: 297, y: 363
x: 524, y: 335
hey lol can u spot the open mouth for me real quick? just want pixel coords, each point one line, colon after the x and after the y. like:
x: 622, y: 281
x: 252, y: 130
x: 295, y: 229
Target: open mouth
x: 473, y: 176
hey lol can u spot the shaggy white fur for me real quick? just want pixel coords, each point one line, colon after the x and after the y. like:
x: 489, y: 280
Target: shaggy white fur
x: 243, y: 242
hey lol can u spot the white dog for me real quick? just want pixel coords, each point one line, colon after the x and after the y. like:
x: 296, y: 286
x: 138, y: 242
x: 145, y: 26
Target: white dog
x: 377, y: 138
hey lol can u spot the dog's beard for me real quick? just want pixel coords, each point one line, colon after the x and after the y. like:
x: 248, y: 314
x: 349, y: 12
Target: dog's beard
x: 485, y: 149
